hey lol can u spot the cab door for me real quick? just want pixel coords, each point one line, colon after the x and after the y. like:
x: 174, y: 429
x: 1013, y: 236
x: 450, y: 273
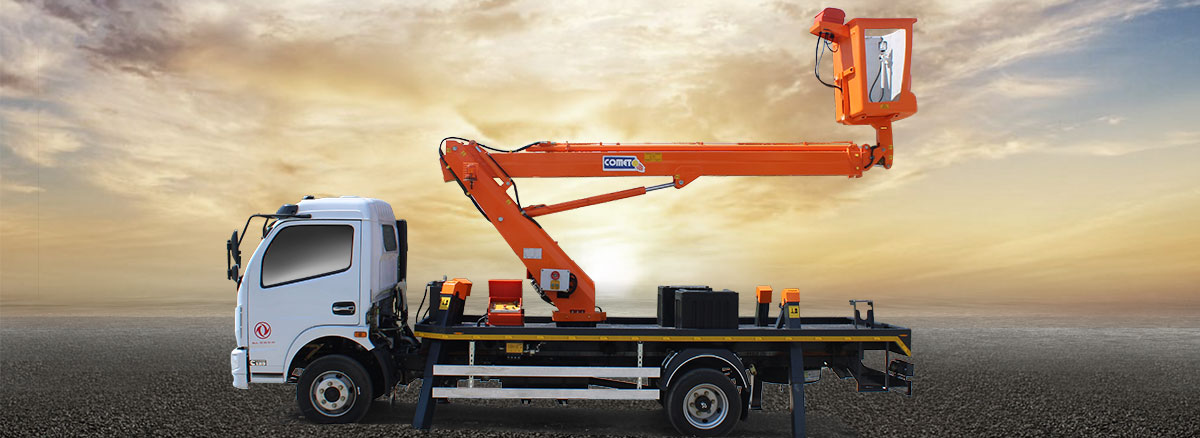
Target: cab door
x: 307, y: 276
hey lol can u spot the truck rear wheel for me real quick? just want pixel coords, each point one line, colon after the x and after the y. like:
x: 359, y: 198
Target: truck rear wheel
x: 334, y: 389
x: 703, y: 402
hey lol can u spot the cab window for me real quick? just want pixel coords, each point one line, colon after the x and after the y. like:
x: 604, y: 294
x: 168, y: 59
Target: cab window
x: 389, y: 238
x: 303, y: 252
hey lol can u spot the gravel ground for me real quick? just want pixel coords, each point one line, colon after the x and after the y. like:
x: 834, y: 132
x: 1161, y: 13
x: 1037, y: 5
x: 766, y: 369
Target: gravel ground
x: 170, y: 376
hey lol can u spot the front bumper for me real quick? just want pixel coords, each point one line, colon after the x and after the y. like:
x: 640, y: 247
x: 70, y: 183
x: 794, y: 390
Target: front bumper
x: 240, y: 368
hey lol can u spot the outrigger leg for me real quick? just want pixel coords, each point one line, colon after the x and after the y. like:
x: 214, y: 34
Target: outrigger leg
x: 789, y: 316
x: 423, y: 417
x: 796, y: 380
x: 448, y: 311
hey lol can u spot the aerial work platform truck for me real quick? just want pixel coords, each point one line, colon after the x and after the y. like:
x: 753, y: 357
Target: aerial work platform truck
x: 322, y: 302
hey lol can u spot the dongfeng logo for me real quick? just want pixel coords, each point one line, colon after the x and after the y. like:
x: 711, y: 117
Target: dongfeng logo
x: 623, y: 163
x: 262, y: 330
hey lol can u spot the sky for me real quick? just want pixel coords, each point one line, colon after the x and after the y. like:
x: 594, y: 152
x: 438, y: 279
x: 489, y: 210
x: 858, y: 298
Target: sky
x: 1046, y: 172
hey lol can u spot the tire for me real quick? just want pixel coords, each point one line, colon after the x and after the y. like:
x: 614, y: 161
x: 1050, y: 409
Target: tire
x: 334, y: 389
x: 703, y: 402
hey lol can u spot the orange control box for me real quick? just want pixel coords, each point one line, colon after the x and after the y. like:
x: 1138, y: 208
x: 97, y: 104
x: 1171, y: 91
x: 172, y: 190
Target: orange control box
x: 763, y: 293
x: 505, y: 303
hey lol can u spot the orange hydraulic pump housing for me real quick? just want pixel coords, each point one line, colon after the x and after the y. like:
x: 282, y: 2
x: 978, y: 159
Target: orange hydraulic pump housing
x: 486, y: 175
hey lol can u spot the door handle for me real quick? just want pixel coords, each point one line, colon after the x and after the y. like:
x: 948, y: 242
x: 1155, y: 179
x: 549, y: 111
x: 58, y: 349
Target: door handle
x: 343, y: 308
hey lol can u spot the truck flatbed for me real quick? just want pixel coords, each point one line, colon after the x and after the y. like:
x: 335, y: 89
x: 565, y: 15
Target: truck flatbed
x: 831, y: 330
x: 637, y: 358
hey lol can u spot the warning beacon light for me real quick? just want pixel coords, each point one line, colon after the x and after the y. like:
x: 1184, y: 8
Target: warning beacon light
x: 871, y: 59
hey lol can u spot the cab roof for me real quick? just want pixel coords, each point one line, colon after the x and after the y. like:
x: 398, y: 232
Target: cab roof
x: 347, y: 207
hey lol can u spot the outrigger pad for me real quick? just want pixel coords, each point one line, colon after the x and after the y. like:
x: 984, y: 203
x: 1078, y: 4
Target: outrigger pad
x: 900, y: 368
x: 900, y: 374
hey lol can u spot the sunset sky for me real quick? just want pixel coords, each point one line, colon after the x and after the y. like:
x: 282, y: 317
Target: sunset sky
x: 1051, y: 167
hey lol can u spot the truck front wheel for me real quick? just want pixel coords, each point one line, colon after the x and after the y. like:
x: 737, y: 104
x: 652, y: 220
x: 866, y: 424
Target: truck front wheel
x: 703, y: 402
x: 334, y: 389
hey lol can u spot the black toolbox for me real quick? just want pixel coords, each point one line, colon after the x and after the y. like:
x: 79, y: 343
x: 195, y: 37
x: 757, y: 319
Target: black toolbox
x: 703, y: 309
x: 666, y: 302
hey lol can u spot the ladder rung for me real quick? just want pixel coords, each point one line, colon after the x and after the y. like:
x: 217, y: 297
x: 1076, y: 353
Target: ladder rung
x: 535, y: 371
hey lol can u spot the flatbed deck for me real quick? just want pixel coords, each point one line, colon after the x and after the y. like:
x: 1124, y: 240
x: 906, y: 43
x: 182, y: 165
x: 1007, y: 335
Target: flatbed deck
x: 641, y: 329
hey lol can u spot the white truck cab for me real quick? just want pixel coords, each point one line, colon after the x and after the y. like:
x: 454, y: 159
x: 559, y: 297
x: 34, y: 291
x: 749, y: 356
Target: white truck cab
x: 321, y: 267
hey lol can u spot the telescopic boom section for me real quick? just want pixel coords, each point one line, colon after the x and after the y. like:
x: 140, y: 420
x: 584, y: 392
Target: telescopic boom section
x: 486, y: 177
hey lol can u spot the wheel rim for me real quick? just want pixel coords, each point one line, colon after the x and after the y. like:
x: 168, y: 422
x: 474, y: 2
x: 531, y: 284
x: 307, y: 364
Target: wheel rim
x: 705, y: 406
x: 332, y: 393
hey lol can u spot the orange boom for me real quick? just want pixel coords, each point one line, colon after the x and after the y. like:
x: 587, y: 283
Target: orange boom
x: 872, y: 87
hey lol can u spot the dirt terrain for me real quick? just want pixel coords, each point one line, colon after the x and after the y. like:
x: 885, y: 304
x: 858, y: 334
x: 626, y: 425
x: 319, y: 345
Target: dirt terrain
x: 170, y: 376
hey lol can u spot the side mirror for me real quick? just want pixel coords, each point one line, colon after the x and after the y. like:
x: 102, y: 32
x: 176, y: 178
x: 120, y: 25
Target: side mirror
x: 233, y: 258
x: 402, y: 263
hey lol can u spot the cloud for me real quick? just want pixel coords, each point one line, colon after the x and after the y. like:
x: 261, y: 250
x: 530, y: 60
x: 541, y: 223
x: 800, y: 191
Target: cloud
x: 1113, y: 236
x: 38, y: 136
x: 13, y: 84
x: 974, y: 38
x: 20, y: 188
x: 1030, y: 88
x: 1115, y: 147
x: 131, y: 36
x: 32, y: 48
x: 1183, y: 138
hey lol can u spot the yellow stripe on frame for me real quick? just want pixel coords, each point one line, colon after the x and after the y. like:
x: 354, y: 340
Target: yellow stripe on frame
x: 480, y: 337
